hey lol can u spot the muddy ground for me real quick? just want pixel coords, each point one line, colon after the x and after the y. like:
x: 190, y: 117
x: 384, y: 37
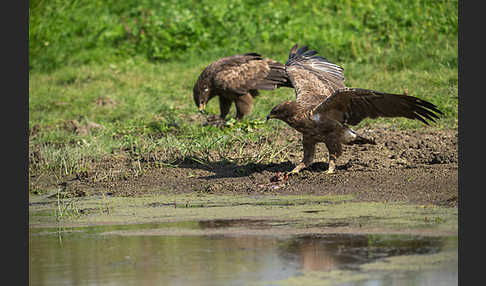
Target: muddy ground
x: 413, y: 166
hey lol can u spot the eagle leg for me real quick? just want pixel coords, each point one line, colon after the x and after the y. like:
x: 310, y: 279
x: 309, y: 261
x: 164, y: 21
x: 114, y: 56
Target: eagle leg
x: 309, y: 153
x: 332, y: 164
x: 224, y: 106
x: 243, y: 105
x: 298, y: 168
x: 335, y: 150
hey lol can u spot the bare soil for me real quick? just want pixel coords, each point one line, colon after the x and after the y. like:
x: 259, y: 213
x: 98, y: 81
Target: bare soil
x: 412, y: 166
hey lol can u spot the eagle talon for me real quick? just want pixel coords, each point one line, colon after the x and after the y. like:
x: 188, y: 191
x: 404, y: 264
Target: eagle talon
x: 298, y: 168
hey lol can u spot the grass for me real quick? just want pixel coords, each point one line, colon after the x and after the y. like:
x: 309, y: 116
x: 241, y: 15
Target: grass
x: 149, y: 114
x: 77, y: 32
x: 135, y: 110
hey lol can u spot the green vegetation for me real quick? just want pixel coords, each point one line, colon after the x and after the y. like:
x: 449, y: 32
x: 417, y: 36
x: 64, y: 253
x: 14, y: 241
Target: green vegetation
x: 111, y: 81
x: 77, y: 32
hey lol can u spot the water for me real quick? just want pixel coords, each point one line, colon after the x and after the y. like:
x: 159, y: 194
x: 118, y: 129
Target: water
x: 86, y: 256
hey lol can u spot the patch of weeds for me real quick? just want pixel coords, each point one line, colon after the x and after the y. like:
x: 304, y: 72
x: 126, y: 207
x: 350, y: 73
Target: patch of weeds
x: 162, y: 127
x: 105, y: 206
x: 136, y: 168
x: 244, y: 125
x: 204, y: 148
x: 66, y: 208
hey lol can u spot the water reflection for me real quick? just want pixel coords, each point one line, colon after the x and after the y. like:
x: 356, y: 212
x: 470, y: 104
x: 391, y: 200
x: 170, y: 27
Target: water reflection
x: 88, y: 258
x: 346, y: 251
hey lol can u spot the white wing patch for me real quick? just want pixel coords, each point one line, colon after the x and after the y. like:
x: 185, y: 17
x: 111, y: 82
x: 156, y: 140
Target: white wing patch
x: 328, y: 68
x: 316, y: 117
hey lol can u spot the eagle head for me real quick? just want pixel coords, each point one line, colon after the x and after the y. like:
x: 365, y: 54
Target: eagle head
x: 284, y: 111
x: 201, y: 94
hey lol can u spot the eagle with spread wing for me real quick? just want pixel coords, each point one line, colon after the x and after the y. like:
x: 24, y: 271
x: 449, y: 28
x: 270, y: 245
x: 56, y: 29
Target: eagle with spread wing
x: 237, y: 79
x: 325, y: 107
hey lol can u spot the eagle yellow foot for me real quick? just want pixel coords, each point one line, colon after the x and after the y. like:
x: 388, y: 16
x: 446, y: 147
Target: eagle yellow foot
x: 293, y: 172
x: 297, y: 169
x: 332, y: 167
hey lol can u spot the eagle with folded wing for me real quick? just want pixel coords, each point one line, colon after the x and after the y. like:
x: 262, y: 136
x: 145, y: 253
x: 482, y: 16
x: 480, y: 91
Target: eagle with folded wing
x: 325, y: 107
x: 237, y: 79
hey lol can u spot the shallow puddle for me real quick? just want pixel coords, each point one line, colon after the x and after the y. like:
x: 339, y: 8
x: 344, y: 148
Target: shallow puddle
x: 99, y: 256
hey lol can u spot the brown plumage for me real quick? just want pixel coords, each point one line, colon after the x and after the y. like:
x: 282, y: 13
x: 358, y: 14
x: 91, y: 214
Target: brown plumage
x: 237, y: 79
x: 325, y: 106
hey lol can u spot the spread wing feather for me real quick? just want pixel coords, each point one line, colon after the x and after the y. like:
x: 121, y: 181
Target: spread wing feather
x: 352, y: 105
x: 241, y: 73
x: 314, y: 78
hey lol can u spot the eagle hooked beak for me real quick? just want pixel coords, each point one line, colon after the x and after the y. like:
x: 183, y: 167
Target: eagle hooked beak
x: 202, y: 107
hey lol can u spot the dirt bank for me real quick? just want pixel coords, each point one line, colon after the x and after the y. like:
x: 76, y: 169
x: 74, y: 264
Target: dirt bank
x: 415, y: 166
